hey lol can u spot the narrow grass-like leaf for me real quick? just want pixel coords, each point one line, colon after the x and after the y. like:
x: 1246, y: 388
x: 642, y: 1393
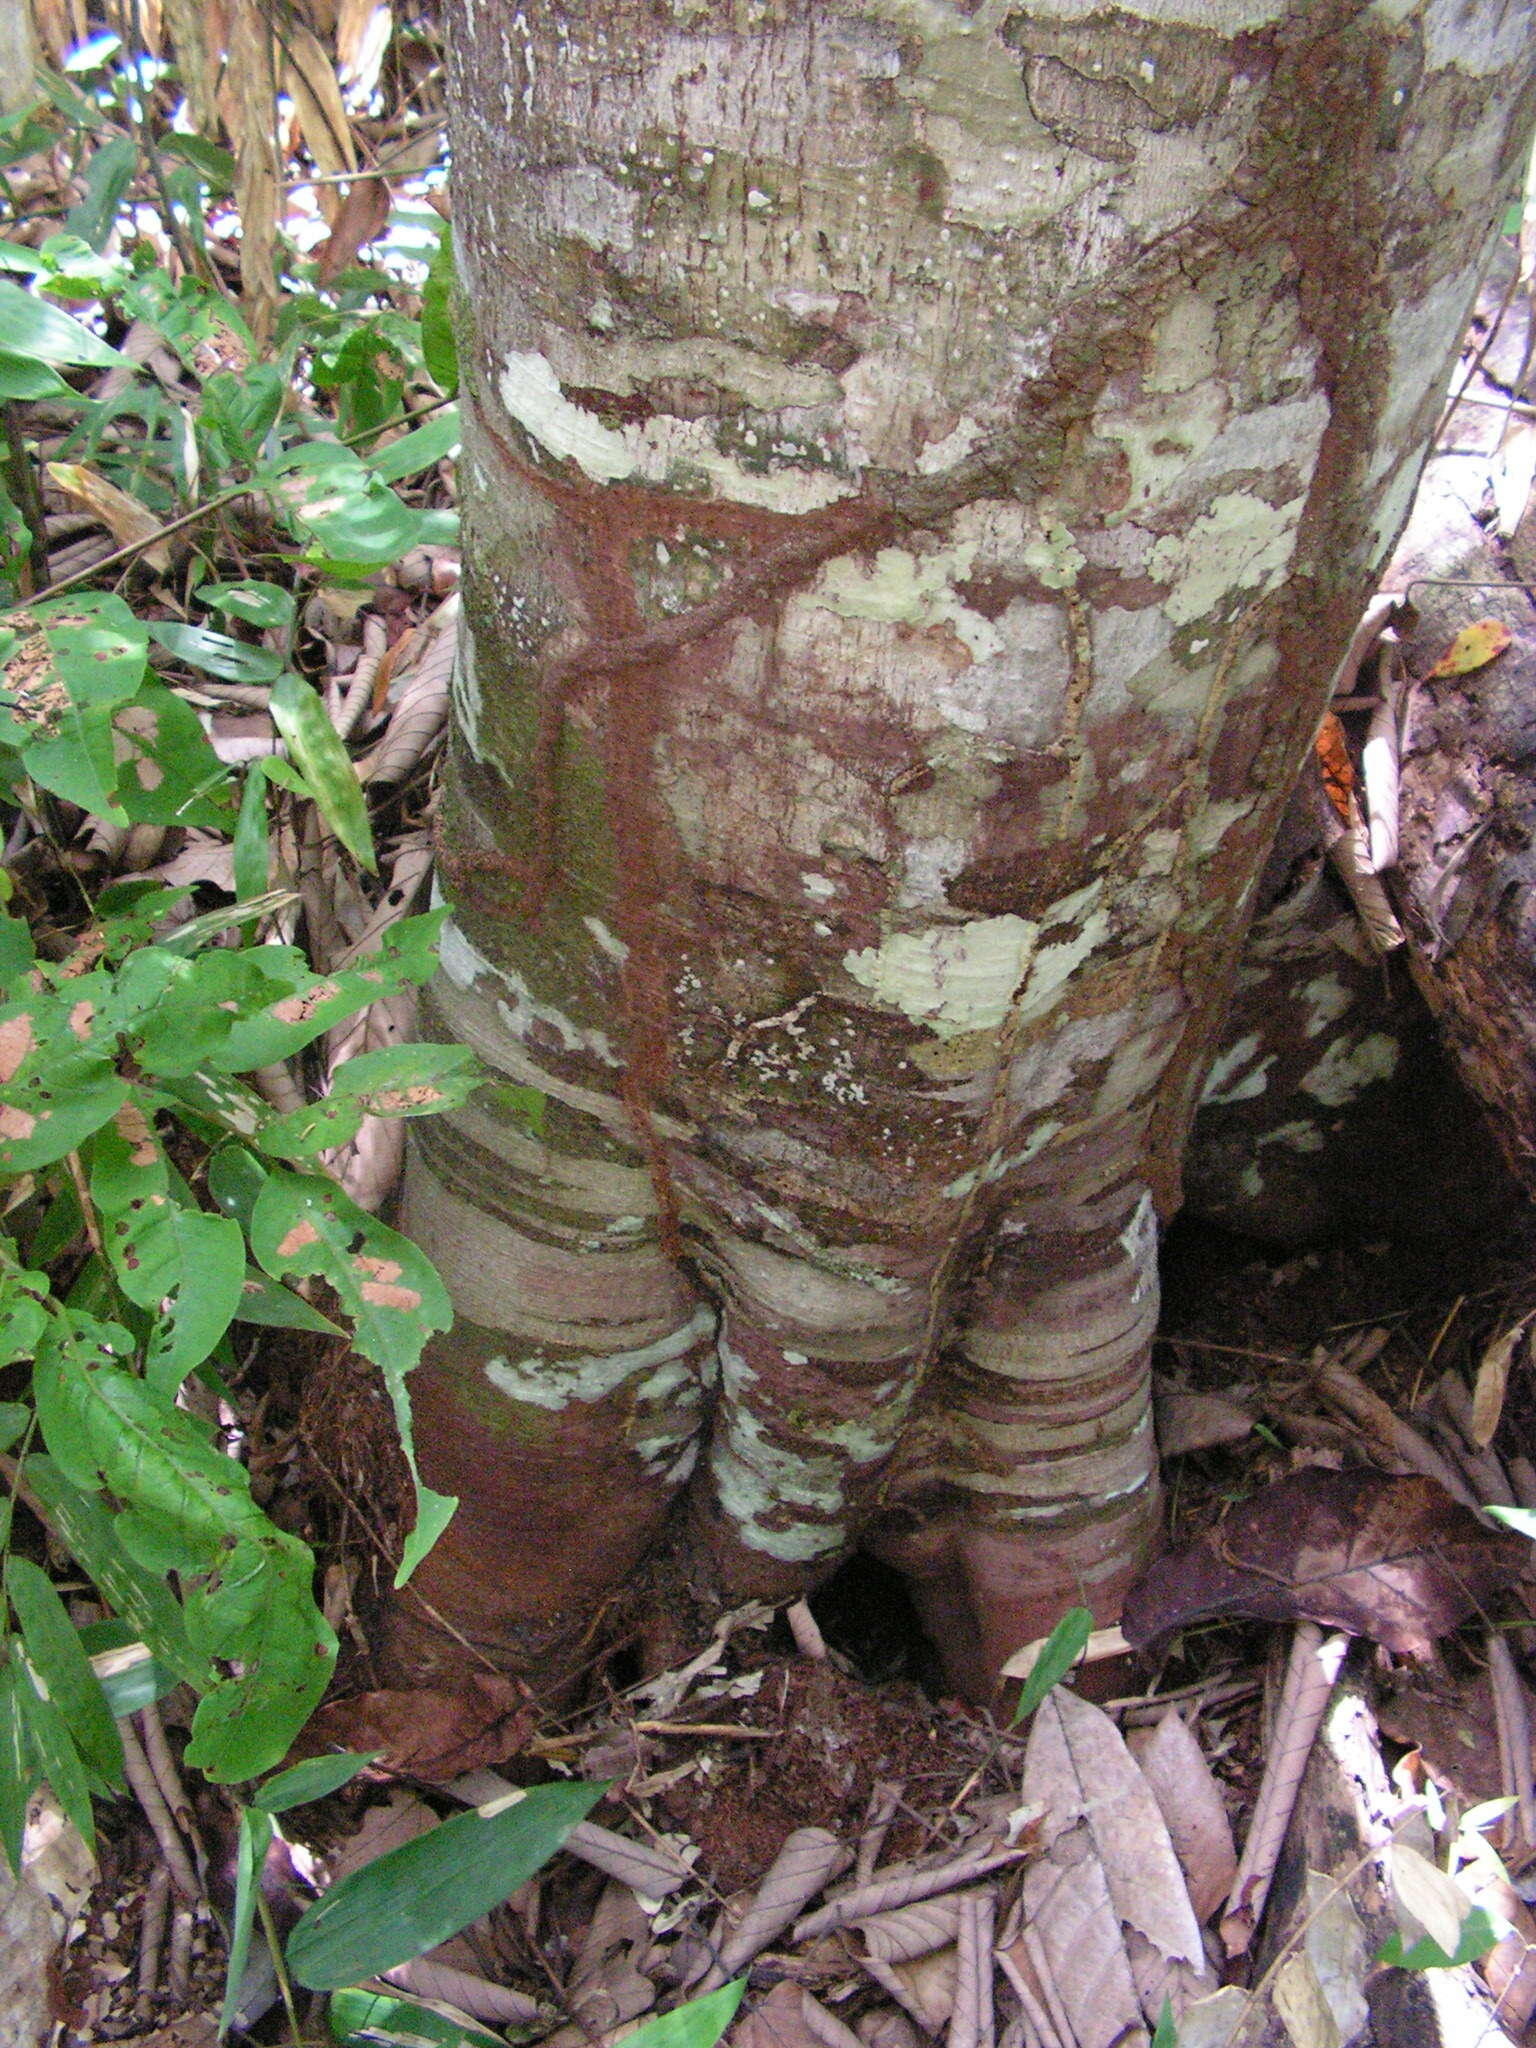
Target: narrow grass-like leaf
x: 418, y: 1895
x: 252, y: 1842
x: 233, y: 661
x: 56, y: 1654
x: 19, y: 1775
x: 698, y: 2024
x: 1059, y: 1652
x: 375, y: 2019
x: 50, y: 1743
x: 300, y: 717
x: 312, y: 1779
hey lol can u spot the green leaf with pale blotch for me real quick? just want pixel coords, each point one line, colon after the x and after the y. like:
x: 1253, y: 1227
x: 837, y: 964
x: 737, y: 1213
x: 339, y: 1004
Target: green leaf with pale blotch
x: 397, y: 1080
x: 429, y: 1889
x: 315, y: 1778
x: 19, y: 1774
x: 325, y: 764
x: 49, y: 1741
x: 386, y: 1286
x: 167, y: 773
x: 55, y: 1652
x: 1059, y: 1652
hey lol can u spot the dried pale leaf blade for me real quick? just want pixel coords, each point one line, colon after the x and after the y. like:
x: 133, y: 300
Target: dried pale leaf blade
x: 1069, y: 1907
x: 1474, y: 647
x: 1392, y: 1558
x: 1079, y: 1770
x: 1493, y: 1380
x: 804, y: 1866
x: 1193, y: 1810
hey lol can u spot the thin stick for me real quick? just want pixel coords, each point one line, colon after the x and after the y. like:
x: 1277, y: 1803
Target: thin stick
x: 883, y: 1803
x: 1513, y: 1709
x: 152, y: 1938
x: 178, y: 1973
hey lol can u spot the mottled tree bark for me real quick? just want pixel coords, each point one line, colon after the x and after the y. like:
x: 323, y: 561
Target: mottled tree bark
x: 923, y: 465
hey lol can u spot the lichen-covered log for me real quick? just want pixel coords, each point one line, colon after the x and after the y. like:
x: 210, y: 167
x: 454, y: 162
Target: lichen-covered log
x: 923, y: 464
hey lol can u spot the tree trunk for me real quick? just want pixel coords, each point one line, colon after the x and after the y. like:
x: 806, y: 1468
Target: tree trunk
x: 923, y: 464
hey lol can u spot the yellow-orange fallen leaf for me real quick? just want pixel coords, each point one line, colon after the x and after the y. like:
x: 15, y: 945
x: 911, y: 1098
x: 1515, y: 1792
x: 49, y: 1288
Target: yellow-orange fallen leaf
x: 129, y: 524
x: 1473, y: 646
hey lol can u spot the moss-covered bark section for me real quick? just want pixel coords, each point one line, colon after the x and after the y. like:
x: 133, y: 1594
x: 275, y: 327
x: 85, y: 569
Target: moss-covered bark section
x: 924, y: 465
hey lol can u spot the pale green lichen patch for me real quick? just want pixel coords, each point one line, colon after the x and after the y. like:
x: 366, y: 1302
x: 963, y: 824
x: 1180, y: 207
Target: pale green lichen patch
x: 902, y: 588
x: 1345, y: 1069
x: 954, y: 979
x: 531, y: 393
x: 1241, y: 544
x: 542, y: 1382
x: 1234, y: 1077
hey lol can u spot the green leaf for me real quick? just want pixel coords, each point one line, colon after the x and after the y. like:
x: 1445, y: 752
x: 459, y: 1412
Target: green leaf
x: 126, y: 1670
x: 419, y: 449
x: 25, y: 377
x: 263, y: 1302
x: 303, y: 1223
x: 49, y: 1740
x: 251, y: 1847
x: 55, y: 1653
x: 252, y: 856
x: 1167, y: 2033
x: 87, y: 1531
x: 29, y: 326
x: 108, y: 175
x: 313, y: 1779
x: 233, y: 661
x: 257, y: 603
x: 375, y: 2019
x: 698, y: 2024
x: 1478, y: 1936
x: 167, y: 773
x: 61, y: 1089
x: 14, y: 1417
x: 301, y: 718
x: 23, y: 1320
x: 1521, y: 1520
x: 216, y: 166
x: 418, y: 1895
x: 1059, y: 1652
x: 437, y: 343
x: 397, y: 1080
x: 191, y: 1266
x: 19, y: 1775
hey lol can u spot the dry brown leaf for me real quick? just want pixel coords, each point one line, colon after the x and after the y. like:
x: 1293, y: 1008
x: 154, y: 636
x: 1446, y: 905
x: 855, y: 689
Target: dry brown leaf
x: 250, y: 110
x: 1492, y: 1379
x: 432, y: 1735
x: 911, y: 1930
x: 777, y: 2022
x: 129, y: 524
x: 1389, y: 1557
x: 363, y: 214
x: 804, y: 1866
x: 1190, y: 1801
x: 310, y: 81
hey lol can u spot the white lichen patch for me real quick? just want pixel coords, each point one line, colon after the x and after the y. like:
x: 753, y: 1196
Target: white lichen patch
x: 1160, y: 437
x: 1298, y: 1136
x: 1234, y: 1077
x: 1327, y: 999
x: 464, y: 688
x: 531, y: 393
x: 629, y: 365
x: 906, y: 589
x: 1242, y: 545
x: 1345, y: 1069
x: 1186, y: 345
x: 953, y: 979
x: 682, y: 454
x: 615, y: 948
x: 1054, y: 965
x: 1212, y: 822
x: 542, y: 1382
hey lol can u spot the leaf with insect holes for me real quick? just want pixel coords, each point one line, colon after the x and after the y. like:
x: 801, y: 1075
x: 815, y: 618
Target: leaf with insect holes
x: 302, y: 1224
x: 1474, y: 647
x: 395, y: 1081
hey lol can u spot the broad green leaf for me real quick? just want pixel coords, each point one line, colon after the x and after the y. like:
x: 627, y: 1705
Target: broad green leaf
x: 143, y: 1600
x: 167, y: 773
x: 29, y: 326
x: 55, y: 1652
x: 59, y: 1087
x: 233, y: 661
x: 301, y: 718
x: 51, y: 1745
x: 24, y: 377
x: 247, y: 1584
x: 257, y: 603
x: 698, y: 2024
x: 397, y: 1080
x: 262, y: 1301
x: 107, y: 177
x: 1059, y: 1652
x: 190, y: 1266
x: 19, y: 1774
x: 419, y: 449
x: 14, y: 1417
x: 23, y: 1319
x: 385, y: 1285
x: 375, y: 2019
x: 313, y: 1779
x: 1479, y: 1933
x: 253, y: 1840
x: 216, y: 166
x: 235, y: 1179
x: 418, y: 1895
